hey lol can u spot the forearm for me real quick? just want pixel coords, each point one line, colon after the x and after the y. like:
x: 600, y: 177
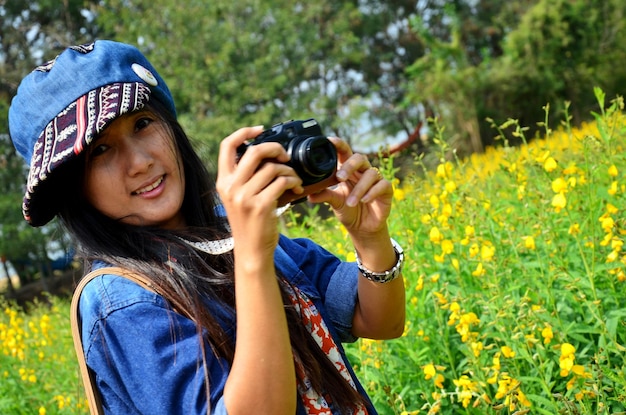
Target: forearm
x: 262, y: 378
x: 380, y: 311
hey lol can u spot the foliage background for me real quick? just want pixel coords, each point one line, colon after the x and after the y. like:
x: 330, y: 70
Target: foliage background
x: 515, y: 273
x: 372, y: 72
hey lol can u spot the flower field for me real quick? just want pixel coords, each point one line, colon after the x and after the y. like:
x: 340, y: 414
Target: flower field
x: 516, y: 282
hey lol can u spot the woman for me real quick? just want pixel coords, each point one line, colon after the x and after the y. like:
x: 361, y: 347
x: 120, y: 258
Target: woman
x: 240, y: 319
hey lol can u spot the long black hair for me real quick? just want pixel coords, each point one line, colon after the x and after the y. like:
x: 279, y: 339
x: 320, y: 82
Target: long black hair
x: 193, y: 277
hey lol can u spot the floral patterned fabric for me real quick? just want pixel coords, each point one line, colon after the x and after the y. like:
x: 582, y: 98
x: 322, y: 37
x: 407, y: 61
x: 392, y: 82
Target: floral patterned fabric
x: 318, y: 402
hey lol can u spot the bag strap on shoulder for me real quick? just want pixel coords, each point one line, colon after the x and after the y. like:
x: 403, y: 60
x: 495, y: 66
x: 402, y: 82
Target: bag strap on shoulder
x: 93, y: 397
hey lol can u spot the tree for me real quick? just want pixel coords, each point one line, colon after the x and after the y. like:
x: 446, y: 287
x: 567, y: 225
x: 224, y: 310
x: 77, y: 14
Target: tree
x: 499, y: 60
x: 29, y: 33
x: 559, y: 52
x: 252, y: 62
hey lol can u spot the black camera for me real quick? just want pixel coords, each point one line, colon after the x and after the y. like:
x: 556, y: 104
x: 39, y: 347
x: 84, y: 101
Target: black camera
x: 313, y: 156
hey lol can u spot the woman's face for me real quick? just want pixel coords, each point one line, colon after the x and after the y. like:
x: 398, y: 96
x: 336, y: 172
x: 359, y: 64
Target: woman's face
x: 133, y: 172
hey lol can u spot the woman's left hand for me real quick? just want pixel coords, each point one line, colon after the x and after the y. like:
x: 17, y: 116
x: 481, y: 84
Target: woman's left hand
x: 362, y: 199
x: 362, y: 203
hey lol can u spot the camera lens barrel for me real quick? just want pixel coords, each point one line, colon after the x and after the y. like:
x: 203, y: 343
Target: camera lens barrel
x: 313, y: 156
x: 316, y: 157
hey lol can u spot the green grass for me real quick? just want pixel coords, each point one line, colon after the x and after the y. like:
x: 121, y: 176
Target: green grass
x: 38, y: 369
x: 515, y: 280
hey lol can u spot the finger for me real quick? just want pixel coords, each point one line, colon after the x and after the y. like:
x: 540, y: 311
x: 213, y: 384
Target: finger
x: 344, y: 151
x: 275, y: 174
x: 227, y: 156
x: 356, y: 163
x: 368, y: 187
x: 381, y: 189
x: 256, y: 155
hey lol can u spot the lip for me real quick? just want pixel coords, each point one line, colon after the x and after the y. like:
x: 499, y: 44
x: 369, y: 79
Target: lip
x: 151, y: 189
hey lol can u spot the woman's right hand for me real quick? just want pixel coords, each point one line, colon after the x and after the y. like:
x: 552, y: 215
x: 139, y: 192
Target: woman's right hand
x: 249, y: 188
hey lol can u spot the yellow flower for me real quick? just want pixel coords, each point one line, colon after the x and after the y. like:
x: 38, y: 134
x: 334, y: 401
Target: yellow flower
x: 441, y: 299
x: 579, y: 370
x: 543, y: 157
x: 521, y: 398
x: 559, y: 202
x: 473, y: 251
x: 559, y: 185
x: 477, y: 347
x: 550, y: 164
x: 434, y: 201
x: 468, y: 387
x: 566, y: 360
x: 571, y: 169
x: 613, y: 189
x: 470, y: 231
x: 487, y: 251
x: 567, y: 349
x: 429, y: 371
x: 42, y: 410
x: 438, y: 380
x: 420, y: 283
x: 496, y: 362
x: 507, y: 352
x: 547, y: 334
x: 529, y: 243
x: 574, y: 229
x: 447, y: 246
x: 521, y: 191
x: 607, y: 223
x: 446, y: 212
x: 441, y: 171
x: 479, y: 271
x: 611, y: 209
x: 435, y: 235
x: 398, y: 194
x: 464, y: 327
x: 450, y: 186
x: 613, y: 171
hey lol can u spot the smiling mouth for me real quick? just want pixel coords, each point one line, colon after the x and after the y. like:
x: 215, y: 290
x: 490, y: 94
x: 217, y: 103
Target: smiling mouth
x: 149, y: 187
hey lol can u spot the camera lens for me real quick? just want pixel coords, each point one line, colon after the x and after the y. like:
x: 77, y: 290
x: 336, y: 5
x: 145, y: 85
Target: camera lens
x: 317, y: 157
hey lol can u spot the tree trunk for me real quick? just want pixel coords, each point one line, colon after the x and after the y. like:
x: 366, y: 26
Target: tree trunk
x: 10, y: 286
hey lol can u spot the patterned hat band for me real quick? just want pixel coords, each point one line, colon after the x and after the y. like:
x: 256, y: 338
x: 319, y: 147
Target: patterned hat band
x: 70, y: 132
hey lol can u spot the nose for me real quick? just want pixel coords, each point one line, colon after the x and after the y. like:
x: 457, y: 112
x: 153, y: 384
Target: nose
x: 138, y: 158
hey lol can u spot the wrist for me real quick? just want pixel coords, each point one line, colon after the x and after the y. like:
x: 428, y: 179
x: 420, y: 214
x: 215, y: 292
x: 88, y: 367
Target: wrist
x: 388, y: 274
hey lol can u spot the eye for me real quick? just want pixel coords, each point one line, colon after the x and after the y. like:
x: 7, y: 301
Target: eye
x: 142, y: 123
x: 97, y: 150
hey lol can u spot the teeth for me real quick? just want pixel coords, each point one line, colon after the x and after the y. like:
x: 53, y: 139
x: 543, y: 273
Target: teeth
x: 150, y: 187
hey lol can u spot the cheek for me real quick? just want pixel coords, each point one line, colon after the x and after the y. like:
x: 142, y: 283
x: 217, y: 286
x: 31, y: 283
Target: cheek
x: 100, y: 188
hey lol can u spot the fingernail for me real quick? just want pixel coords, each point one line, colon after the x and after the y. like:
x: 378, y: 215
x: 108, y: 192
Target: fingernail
x: 342, y: 175
x: 352, y: 201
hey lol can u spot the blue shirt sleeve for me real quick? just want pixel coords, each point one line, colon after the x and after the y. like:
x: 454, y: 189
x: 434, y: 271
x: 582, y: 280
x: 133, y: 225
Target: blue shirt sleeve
x: 323, y: 274
x: 136, y: 344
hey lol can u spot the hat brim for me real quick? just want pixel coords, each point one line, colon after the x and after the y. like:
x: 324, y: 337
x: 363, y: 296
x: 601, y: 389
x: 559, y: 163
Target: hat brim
x: 65, y: 138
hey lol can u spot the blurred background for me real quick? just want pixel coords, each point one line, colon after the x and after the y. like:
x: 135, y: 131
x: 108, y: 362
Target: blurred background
x: 390, y: 77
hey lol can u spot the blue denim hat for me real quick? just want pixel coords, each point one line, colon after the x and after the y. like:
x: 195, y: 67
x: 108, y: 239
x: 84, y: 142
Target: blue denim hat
x: 64, y: 104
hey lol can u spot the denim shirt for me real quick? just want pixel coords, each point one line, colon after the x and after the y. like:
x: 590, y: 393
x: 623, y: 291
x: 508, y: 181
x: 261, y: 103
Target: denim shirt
x: 147, y: 359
